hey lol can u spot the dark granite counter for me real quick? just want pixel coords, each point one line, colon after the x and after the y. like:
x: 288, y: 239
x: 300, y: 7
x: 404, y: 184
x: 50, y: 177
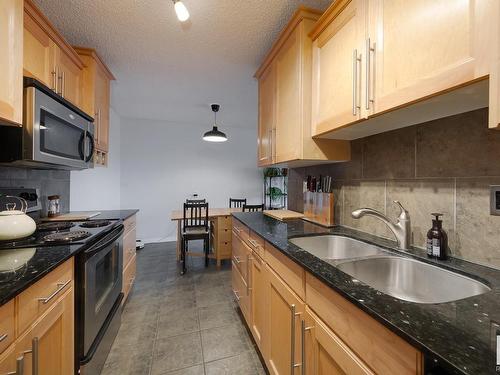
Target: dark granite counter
x: 459, y: 336
x: 30, y: 266
x: 21, y: 268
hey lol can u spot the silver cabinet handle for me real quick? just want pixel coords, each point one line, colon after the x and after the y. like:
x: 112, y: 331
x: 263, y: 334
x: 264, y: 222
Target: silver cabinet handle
x: 303, y: 330
x: 54, y: 80
x: 236, y: 295
x: 59, y: 81
x: 293, y: 365
x: 61, y: 286
x: 238, y: 230
x: 4, y: 336
x: 96, y: 126
x: 236, y: 259
x: 63, y: 86
x: 270, y: 148
x: 355, y: 60
x: 368, y: 89
x: 19, y: 367
x: 34, y: 359
x: 253, y: 243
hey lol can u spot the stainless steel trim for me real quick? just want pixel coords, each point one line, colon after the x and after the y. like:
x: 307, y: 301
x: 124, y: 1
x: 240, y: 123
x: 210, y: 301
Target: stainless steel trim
x: 4, y: 336
x: 369, y: 50
x: 292, y: 357
x: 61, y: 286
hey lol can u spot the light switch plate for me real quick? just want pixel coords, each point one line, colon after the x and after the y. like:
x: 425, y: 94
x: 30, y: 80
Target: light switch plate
x: 495, y: 200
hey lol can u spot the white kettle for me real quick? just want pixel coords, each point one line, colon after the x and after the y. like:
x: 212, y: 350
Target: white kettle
x: 14, y: 223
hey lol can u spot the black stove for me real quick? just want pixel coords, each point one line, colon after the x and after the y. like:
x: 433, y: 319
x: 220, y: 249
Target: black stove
x: 57, y: 226
x: 95, y: 223
x: 66, y: 237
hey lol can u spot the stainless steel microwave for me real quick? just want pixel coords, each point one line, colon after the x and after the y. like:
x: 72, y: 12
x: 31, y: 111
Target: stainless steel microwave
x: 55, y: 134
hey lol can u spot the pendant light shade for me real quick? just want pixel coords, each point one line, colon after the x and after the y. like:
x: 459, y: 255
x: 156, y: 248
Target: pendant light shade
x: 215, y: 135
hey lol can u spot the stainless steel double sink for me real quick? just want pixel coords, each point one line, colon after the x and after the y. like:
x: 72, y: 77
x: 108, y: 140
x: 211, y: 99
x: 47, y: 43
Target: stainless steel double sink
x: 400, y: 277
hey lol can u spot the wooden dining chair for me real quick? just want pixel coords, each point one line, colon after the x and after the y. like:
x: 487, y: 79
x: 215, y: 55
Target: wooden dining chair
x: 237, y: 203
x: 194, y: 227
x: 253, y: 207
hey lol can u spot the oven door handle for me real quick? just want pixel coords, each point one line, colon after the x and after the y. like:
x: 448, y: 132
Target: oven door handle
x: 105, y: 242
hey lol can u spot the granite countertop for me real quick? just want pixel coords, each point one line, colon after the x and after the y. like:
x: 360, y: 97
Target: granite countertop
x: 39, y: 261
x: 460, y: 336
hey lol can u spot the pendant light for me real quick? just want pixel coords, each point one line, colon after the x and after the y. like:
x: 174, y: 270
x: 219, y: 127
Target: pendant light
x: 181, y: 10
x: 215, y: 135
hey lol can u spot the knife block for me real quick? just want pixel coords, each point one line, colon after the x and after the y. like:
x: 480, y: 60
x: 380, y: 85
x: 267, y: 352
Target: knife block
x: 319, y: 208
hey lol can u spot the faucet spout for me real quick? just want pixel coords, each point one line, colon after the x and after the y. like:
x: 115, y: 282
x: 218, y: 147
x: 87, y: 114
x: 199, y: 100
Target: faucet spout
x: 401, y: 229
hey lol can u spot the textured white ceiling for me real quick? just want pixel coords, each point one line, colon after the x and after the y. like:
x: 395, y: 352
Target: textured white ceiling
x: 170, y: 71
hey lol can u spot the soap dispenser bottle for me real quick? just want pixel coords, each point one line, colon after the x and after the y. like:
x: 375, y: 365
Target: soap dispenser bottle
x: 437, y: 239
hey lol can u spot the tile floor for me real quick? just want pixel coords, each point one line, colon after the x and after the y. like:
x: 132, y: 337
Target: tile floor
x: 181, y: 325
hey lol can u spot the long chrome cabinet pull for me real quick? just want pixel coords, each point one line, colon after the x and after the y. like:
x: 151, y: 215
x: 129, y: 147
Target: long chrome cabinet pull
x: 236, y: 259
x: 60, y: 286
x: 355, y: 60
x: 303, y: 351
x: 63, y: 87
x: 236, y: 295
x: 253, y: 243
x: 368, y: 88
x: 270, y: 148
x: 34, y: 359
x: 54, y: 80
x: 293, y: 365
x: 4, y: 336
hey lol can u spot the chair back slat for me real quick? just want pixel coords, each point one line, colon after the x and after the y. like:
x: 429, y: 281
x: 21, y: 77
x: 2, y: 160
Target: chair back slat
x: 237, y: 202
x: 196, y: 201
x: 195, y: 215
x: 253, y: 207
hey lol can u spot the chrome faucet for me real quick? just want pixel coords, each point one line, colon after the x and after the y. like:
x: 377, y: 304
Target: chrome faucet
x: 402, y: 229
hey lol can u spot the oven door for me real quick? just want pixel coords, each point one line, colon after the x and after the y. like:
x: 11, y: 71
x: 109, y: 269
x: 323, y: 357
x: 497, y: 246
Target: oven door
x: 55, y: 134
x: 102, y: 283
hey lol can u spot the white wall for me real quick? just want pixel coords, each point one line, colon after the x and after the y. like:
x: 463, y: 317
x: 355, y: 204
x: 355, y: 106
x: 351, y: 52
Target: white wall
x: 163, y: 163
x: 99, y: 188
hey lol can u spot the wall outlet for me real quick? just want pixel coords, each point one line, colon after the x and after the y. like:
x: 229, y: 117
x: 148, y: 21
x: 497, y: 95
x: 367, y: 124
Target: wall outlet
x: 495, y: 200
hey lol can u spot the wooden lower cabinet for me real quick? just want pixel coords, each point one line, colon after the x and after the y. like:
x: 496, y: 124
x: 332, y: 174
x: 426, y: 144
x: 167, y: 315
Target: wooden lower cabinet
x: 301, y: 326
x: 325, y: 353
x: 283, y: 331
x: 258, y: 300
x: 129, y: 256
x: 53, y: 337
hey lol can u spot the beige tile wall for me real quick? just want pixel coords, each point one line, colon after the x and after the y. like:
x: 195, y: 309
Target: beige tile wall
x: 445, y: 166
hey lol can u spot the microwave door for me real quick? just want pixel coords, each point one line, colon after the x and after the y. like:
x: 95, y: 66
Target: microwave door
x: 59, y: 134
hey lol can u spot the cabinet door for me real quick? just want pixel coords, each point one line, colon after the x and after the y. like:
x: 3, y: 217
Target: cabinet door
x: 69, y: 77
x: 288, y: 94
x: 267, y: 116
x: 414, y: 58
x: 54, y: 332
x: 11, y: 60
x: 39, y: 53
x: 258, y: 296
x: 337, y: 75
x: 8, y: 361
x: 283, y: 328
x: 325, y: 353
x: 103, y: 97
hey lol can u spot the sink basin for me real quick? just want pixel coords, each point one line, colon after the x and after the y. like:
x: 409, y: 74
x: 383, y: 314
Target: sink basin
x: 336, y: 247
x: 412, y: 280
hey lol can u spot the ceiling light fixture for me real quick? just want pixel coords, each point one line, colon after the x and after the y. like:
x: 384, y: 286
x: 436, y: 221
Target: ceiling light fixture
x: 215, y: 135
x: 181, y: 10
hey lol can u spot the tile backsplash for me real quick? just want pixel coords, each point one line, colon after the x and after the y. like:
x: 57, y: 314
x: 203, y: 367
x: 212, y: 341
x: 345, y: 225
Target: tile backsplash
x: 445, y: 165
x: 50, y: 182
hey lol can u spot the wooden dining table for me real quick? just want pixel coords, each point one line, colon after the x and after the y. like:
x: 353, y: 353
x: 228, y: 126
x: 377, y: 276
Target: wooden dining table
x: 220, y: 236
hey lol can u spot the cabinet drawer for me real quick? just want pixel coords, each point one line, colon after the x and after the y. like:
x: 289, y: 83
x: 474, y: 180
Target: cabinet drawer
x: 241, y: 230
x: 223, y: 235
x: 224, y: 250
x: 287, y: 269
x: 240, y: 255
x: 6, y: 325
x: 240, y: 291
x: 128, y: 247
x: 256, y: 243
x: 35, y: 300
x: 382, y: 350
x: 224, y: 222
x: 129, y: 224
x: 129, y: 277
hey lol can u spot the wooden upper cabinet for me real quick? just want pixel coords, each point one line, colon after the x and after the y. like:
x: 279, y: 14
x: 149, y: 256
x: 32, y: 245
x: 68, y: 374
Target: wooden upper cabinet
x: 48, y: 57
x: 96, y: 94
x: 267, y: 116
x: 285, y: 100
x: 337, y: 66
x: 412, y: 59
x: 11, y: 61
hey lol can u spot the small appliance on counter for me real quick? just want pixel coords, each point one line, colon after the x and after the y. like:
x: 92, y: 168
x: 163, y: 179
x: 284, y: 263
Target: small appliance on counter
x: 319, y: 201
x: 54, y: 207
x: 14, y: 223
